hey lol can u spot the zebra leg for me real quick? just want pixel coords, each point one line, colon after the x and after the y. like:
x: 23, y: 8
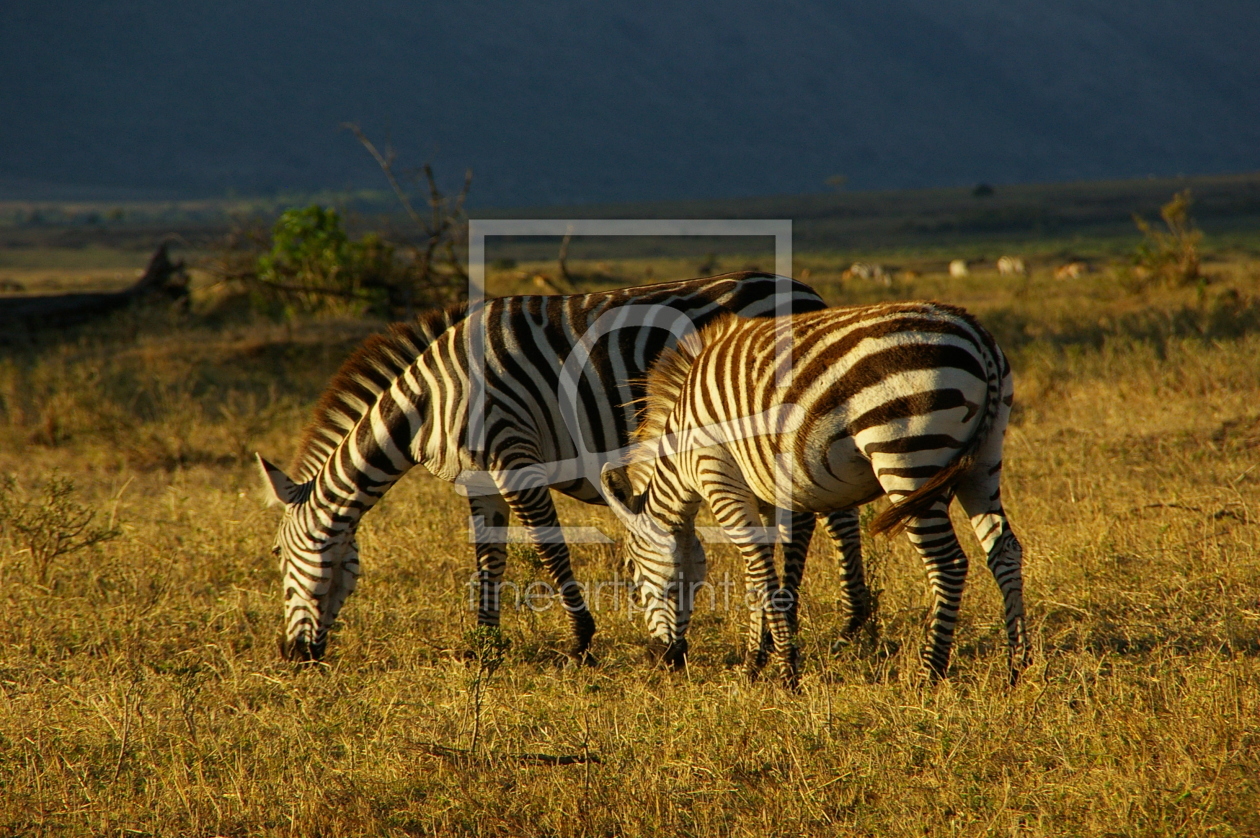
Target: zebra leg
x: 740, y: 519
x: 794, y: 553
x: 760, y: 642
x: 933, y: 536
x: 982, y: 500
x: 846, y: 532
x: 980, y: 493
x: 764, y: 594
x: 488, y: 511
x: 538, y: 514
x: 756, y: 656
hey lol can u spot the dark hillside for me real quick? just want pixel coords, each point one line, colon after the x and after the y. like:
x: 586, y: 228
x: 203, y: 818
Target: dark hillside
x: 575, y: 103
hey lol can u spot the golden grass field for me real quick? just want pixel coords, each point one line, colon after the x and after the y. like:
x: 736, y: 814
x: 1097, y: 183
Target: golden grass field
x: 142, y: 692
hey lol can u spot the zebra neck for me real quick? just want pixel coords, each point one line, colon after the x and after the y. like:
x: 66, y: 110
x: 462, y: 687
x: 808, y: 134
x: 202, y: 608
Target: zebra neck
x: 669, y: 502
x: 360, y: 470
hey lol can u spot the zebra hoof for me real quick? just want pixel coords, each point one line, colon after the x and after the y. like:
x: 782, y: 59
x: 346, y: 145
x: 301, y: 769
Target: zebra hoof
x: 299, y: 651
x: 858, y: 642
x: 790, y: 669
x: 765, y: 649
x: 937, y: 670
x: 1018, y: 663
x: 583, y: 630
x: 754, y: 662
x: 854, y: 627
x: 574, y: 659
x: 675, y: 656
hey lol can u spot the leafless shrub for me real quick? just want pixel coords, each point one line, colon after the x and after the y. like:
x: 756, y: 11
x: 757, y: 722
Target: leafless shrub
x: 308, y: 263
x: 437, y: 271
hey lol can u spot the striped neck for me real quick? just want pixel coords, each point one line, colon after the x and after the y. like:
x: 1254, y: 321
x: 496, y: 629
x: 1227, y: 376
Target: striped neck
x: 363, y: 466
x: 669, y: 501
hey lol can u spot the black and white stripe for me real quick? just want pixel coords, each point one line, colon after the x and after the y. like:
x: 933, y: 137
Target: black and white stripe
x: 406, y: 398
x: 906, y: 399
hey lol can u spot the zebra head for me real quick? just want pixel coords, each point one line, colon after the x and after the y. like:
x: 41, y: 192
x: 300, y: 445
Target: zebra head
x: 666, y: 559
x: 319, y: 565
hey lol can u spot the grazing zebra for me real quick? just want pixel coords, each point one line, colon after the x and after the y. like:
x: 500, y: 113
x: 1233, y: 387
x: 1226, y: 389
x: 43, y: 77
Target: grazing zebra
x: 410, y: 397
x: 868, y: 270
x: 1011, y: 266
x: 905, y: 399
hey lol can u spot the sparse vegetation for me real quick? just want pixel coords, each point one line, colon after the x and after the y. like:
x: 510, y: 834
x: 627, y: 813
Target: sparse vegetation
x: 142, y: 694
x: 488, y: 646
x: 1170, y: 255
x: 48, y: 528
x: 308, y: 264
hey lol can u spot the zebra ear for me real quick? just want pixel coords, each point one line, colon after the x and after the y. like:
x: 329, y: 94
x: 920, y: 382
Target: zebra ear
x: 618, y: 492
x: 277, y: 486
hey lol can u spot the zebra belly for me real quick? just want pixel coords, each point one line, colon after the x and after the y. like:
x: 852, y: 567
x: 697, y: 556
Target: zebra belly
x: 582, y: 490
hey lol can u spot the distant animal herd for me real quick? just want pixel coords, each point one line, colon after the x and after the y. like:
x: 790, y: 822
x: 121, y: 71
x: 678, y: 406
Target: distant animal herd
x: 1013, y: 266
x: 742, y: 392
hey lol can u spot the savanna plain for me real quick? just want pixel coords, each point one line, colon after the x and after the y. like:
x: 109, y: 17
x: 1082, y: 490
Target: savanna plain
x: 142, y: 692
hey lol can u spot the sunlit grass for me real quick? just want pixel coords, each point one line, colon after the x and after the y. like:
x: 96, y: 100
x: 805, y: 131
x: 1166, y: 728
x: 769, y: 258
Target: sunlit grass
x: 142, y: 692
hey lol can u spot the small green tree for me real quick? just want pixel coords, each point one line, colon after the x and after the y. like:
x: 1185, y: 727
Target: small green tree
x: 1171, y: 255
x: 488, y: 647
x: 307, y: 262
x: 50, y: 527
x: 313, y: 265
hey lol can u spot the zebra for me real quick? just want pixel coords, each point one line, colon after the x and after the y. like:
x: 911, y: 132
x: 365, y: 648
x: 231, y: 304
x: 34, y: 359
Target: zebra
x: 868, y: 270
x: 1011, y: 266
x: 408, y: 397
x: 958, y: 268
x: 906, y: 399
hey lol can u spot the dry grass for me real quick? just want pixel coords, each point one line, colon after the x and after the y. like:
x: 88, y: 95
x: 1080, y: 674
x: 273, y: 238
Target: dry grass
x: 142, y: 691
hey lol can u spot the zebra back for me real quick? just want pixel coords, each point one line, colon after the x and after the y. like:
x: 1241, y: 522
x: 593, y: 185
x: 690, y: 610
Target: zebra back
x: 668, y: 378
x: 380, y: 359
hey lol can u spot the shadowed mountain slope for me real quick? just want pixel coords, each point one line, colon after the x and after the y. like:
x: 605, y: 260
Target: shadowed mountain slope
x: 567, y: 102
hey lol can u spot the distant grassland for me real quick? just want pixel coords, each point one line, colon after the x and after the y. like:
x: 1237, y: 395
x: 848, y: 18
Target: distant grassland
x: 142, y: 693
x: 1053, y: 219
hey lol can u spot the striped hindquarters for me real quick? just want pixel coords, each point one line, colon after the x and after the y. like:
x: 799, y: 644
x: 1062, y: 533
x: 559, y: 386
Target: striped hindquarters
x: 875, y: 373
x: 821, y: 414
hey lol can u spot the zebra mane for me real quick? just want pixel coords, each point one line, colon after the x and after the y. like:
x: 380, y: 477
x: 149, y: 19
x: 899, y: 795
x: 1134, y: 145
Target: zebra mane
x: 367, y: 373
x: 664, y: 384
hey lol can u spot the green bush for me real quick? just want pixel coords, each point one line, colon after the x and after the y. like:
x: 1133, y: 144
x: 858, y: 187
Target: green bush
x: 314, y: 266
x: 308, y: 264
x: 1170, y: 255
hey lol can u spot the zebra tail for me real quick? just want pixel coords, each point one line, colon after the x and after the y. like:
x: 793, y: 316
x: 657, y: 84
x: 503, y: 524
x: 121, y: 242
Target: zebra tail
x: 892, y: 520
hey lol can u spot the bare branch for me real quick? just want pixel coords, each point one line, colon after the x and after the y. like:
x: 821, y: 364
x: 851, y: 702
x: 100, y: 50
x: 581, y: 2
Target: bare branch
x: 386, y: 162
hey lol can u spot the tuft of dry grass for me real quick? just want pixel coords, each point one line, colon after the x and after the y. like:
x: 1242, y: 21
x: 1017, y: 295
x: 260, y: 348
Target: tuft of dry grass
x: 142, y: 693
